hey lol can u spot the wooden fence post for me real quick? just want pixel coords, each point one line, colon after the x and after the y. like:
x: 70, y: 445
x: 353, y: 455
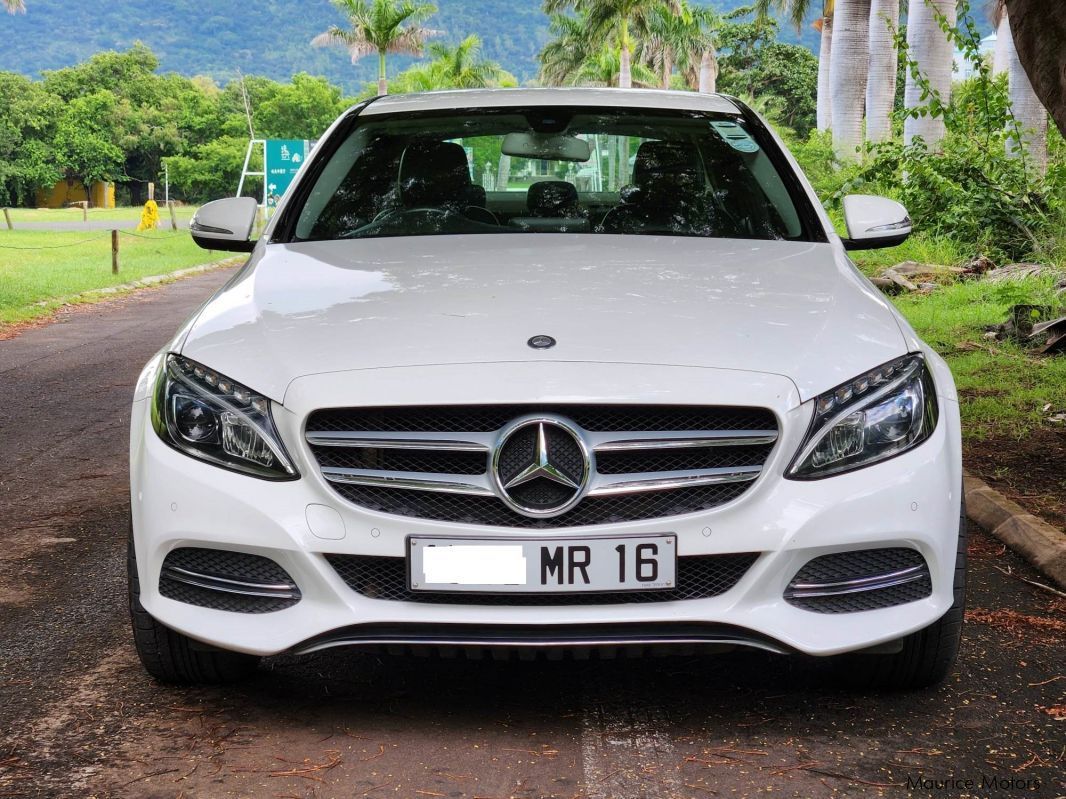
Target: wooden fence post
x: 85, y: 211
x: 7, y: 218
x: 114, y: 252
x: 173, y: 218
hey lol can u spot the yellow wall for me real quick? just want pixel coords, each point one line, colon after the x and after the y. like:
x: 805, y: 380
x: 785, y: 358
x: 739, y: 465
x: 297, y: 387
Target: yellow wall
x: 63, y: 194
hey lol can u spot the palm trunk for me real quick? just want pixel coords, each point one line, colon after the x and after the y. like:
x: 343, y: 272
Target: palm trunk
x: 383, y: 82
x: 503, y: 173
x: 668, y: 67
x: 930, y: 48
x: 1029, y: 113
x: 1003, y: 42
x: 625, y: 71
x: 881, y: 81
x: 709, y: 72
x: 848, y: 65
x: 825, y: 113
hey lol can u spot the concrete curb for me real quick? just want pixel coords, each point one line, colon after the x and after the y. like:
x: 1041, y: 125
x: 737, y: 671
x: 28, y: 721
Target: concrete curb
x: 155, y: 280
x: 1041, y: 544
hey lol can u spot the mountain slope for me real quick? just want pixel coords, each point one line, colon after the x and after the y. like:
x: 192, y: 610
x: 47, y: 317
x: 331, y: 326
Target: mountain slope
x: 268, y: 38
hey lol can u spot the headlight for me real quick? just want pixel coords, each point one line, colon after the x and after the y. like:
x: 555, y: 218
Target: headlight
x: 210, y: 417
x: 876, y: 416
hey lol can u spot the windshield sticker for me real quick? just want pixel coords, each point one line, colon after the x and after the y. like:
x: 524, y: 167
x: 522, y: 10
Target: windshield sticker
x: 735, y: 136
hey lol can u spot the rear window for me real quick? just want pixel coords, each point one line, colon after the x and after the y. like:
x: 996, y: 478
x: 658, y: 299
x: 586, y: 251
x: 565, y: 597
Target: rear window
x: 563, y: 171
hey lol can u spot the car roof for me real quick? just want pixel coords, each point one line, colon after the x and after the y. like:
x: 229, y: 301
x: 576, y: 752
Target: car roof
x: 509, y: 98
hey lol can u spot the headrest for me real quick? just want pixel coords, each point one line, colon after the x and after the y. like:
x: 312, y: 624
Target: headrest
x: 661, y: 163
x: 434, y: 173
x: 552, y: 198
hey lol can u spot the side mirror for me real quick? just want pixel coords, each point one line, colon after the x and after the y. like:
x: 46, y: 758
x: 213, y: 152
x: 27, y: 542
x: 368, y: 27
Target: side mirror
x: 874, y: 222
x: 226, y: 224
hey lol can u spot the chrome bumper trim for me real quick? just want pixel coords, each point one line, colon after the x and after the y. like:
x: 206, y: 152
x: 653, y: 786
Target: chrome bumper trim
x: 876, y: 582
x: 228, y: 586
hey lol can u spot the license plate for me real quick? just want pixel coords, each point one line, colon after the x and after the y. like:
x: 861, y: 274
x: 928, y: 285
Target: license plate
x: 550, y: 565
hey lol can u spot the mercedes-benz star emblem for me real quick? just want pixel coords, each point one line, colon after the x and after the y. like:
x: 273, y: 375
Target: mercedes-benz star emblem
x: 540, y: 466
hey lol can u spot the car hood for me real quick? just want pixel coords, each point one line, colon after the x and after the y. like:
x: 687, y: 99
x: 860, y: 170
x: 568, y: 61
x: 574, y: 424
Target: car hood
x: 794, y: 309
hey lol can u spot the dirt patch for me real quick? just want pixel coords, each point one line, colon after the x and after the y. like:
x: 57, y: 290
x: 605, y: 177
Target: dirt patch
x: 1047, y: 629
x: 1031, y: 470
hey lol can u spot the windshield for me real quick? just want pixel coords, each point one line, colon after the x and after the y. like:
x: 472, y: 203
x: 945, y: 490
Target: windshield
x: 545, y: 170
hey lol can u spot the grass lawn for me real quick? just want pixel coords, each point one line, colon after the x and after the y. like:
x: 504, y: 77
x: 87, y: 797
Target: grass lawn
x: 183, y: 212
x: 35, y: 281
x: 1003, y: 387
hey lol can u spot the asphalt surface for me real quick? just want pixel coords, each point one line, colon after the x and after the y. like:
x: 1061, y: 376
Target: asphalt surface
x: 79, y: 718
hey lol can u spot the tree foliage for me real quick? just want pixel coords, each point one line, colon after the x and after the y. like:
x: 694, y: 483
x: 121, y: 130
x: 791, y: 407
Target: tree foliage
x: 757, y: 65
x: 459, y: 66
x: 379, y: 27
x: 966, y: 188
x: 115, y: 118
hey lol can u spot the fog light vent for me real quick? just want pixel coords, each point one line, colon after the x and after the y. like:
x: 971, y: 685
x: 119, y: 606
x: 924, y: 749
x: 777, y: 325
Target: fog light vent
x: 223, y: 580
x: 869, y: 579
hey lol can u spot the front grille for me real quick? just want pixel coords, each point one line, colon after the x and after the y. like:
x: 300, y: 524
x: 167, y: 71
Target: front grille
x: 868, y: 579
x: 224, y: 580
x: 698, y: 577
x: 463, y: 509
x: 646, y: 462
x: 490, y: 418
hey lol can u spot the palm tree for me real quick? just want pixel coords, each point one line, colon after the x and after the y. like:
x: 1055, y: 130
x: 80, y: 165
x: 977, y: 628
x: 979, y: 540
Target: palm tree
x: 612, y: 20
x: 378, y: 26
x: 1029, y: 114
x: 15, y: 6
x: 605, y: 69
x: 568, y: 49
x: 1003, y: 36
x: 884, y: 61
x: 848, y: 66
x: 797, y: 11
x: 824, y: 25
x: 930, y: 48
x: 684, y: 37
x: 1039, y: 29
x: 461, y: 67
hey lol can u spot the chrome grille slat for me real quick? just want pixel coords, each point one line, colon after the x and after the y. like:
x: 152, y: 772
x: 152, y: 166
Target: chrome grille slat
x: 603, y: 485
x: 412, y: 481
x: 682, y: 439
x: 446, y: 442
x: 688, y: 458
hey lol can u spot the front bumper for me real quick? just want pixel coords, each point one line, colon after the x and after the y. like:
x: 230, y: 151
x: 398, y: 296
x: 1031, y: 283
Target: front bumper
x: 910, y: 501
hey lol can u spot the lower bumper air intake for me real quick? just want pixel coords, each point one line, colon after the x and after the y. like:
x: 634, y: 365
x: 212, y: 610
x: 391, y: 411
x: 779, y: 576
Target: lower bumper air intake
x: 224, y: 580
x: 868, y: 579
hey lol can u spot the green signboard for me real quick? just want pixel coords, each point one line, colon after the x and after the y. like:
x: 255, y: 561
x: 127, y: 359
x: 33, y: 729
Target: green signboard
x: 284, y: 157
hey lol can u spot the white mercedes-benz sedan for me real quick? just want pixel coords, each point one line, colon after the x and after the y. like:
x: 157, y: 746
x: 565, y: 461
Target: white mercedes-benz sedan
x: 542, y: 370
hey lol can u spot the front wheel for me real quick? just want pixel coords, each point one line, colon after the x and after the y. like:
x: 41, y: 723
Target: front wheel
x: 171, y: 657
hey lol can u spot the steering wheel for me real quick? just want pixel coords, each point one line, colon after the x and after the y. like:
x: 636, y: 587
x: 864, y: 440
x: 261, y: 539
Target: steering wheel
x: 389, y: 215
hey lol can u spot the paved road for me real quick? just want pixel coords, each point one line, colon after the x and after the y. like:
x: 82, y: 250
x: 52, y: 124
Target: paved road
x: 78, y: 718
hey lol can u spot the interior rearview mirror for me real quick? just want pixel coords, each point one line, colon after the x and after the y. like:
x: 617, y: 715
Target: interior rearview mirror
x: 226, y: 224
x: 874, y: 222
x: 546, y: 146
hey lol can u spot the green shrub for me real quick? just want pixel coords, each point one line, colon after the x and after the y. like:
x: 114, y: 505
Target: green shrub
x: 968, y: 188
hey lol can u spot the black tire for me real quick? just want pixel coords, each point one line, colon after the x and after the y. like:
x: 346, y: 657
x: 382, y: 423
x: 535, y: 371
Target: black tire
x: 171, y: 657
x: 928, y: 655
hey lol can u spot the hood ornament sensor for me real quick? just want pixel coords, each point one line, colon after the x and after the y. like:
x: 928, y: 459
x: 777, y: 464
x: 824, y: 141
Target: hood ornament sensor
x: 541, y: 342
